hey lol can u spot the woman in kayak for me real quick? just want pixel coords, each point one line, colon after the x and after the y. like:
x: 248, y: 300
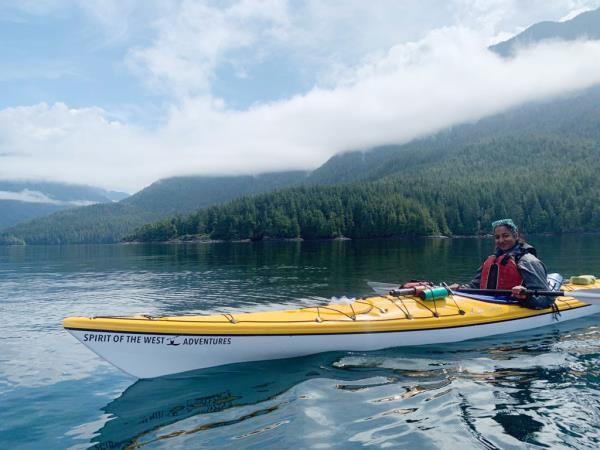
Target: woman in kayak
x: 513, y: 266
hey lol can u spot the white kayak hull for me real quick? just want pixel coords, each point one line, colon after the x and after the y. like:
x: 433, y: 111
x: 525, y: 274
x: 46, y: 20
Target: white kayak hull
x: 146, y: 355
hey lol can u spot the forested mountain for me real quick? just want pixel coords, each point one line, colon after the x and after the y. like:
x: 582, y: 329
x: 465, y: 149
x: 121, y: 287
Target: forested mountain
x: 108, y: 223
x: 585, y: 26
x: 576, y: 115
x: 25, y: 200
x: 183, y: 194
x: 546, y: 183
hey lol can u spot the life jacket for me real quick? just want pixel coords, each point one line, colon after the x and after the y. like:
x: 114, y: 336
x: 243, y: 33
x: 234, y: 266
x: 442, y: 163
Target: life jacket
x: 502, y: 271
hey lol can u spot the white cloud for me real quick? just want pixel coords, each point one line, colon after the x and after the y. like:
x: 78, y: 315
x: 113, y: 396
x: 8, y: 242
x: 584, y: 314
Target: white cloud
x: 416, y: 89
x: 29, y: 196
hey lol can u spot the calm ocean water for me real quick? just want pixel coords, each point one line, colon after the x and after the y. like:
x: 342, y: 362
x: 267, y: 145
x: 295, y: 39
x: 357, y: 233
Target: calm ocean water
x: 539, y: 389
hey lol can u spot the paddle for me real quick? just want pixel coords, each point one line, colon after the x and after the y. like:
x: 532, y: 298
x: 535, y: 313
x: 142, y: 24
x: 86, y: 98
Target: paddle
x: 383, y: 288
x: 388, y: 288
x: 586, y: 295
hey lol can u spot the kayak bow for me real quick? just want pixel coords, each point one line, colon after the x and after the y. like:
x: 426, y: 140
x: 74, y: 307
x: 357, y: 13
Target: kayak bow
x: 149, y: 347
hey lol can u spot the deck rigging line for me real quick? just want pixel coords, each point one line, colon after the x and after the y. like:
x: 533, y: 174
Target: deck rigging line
x: 398, y: 302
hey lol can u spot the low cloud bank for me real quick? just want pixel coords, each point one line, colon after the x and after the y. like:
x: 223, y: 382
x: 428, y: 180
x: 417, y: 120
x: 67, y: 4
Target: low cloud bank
x: 28, y: 196
x: 416, y: 89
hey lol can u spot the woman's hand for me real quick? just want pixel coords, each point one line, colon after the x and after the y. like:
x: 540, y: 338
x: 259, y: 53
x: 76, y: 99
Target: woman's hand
x: 519, y: 292
x: 454, y: 286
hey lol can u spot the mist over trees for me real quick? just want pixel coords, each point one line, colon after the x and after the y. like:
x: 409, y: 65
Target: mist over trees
x: 547, y: 184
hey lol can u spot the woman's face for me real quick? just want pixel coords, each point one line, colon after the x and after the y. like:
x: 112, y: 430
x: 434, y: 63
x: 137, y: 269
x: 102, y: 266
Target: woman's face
x: 505, y: 238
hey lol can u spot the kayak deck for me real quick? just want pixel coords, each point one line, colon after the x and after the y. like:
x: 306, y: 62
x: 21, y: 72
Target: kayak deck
x: 364, y: 315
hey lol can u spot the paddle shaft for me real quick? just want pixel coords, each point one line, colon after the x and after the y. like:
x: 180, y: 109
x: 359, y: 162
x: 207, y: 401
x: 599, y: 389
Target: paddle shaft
x: 399, y: 292
x: 509, y: 292
x: 437, y: 292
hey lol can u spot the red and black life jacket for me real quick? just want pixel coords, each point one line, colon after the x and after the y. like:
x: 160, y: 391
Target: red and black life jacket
x: 502, y: 271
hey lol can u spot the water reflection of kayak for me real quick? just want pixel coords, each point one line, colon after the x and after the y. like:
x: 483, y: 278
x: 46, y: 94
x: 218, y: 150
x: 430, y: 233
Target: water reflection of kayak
x: 148, y: 405
x: 149, y: 347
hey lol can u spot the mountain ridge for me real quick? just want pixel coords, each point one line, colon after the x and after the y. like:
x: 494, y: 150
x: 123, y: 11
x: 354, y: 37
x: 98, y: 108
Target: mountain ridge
x: 25, y: 200
x: 108, y: 223
x: 583, y: 26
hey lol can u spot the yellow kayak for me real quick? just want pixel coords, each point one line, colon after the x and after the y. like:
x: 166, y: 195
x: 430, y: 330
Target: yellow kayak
x: 148, y: 347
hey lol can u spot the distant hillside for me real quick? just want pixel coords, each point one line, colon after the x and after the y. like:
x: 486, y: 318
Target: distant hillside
x: 546, y: 183
x: 111, y: 222
x: 21, y: 201
x: 584, y: 26
x: 183, y: 194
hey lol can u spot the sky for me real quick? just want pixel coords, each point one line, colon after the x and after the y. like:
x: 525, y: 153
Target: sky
x: 119, y: 94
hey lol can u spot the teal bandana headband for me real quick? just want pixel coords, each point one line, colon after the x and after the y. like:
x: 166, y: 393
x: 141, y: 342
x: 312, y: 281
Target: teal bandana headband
x: 506, y: 223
